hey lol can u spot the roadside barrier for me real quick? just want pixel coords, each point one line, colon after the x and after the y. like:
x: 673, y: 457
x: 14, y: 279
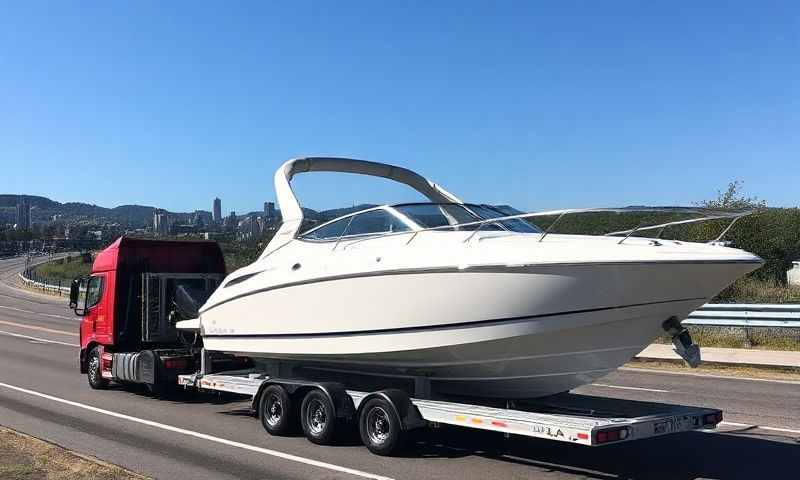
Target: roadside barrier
x: 746, y: 315
x: 52, y: 286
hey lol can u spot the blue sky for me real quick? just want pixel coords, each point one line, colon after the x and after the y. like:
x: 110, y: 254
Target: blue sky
x: 536, y: 104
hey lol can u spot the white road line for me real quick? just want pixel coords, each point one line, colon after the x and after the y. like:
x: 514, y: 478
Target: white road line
x: 41, y: 329
x: 722, y: 377
x: 51, y: 315
x: 19, y: 335
x: 760, y: 427
x: 629, y: 388
x: 203, y: 436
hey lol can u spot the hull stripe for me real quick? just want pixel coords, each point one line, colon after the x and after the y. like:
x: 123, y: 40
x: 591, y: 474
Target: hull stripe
x: 448, y: 326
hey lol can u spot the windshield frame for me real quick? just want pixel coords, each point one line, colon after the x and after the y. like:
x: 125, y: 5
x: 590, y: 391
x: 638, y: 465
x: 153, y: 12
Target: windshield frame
x: 471, y: 210
x: 412, y: 226
x: 409, y: 221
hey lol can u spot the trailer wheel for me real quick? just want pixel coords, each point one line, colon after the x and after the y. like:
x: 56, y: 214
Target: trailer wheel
x: 318, y: 418
x: 380, y: 428
x: 276, y: 411
x: 94, y: 370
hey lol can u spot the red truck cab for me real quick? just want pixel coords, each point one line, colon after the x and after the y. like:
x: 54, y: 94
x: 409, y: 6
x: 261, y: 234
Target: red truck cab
x: 129, y: 306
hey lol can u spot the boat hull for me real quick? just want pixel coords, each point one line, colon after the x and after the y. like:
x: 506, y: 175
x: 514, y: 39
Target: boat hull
x: 511, y: 332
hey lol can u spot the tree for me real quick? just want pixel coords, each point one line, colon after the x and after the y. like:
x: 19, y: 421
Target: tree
x: 733, y: 199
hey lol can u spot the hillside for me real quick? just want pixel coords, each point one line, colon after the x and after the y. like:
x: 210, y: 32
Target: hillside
x: 43, y: 209
x: 132, y: 216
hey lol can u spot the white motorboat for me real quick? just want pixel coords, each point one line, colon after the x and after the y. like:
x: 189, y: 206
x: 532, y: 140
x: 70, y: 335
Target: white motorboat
x: 478, y: 302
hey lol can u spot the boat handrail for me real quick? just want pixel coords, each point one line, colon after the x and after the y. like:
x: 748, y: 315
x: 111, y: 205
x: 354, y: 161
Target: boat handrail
x: 709, y: 215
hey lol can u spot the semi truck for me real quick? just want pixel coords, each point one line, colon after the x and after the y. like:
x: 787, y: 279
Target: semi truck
x: 139, y: 289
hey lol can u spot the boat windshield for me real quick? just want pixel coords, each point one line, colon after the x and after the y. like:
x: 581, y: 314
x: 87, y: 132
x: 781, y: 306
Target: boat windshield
x: 431, y: 215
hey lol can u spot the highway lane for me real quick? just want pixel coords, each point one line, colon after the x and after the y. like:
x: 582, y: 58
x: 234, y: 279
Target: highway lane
x: 15, y: 297
x: 51, y: 369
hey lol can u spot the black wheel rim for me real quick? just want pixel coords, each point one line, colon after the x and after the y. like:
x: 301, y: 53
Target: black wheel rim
x: 379, y: 427
x: 94, y: 368
x: 273, y: 410
x: 316, y: 417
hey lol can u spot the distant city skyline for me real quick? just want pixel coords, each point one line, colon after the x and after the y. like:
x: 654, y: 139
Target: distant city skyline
x: 533, y: 104
x: 217, y: 210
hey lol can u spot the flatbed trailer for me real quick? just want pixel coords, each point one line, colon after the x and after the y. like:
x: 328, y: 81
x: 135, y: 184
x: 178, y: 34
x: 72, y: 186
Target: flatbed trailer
x: 573, y: 418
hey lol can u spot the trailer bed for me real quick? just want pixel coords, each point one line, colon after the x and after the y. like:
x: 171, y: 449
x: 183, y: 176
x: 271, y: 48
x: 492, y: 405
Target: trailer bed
x: 568, y: 417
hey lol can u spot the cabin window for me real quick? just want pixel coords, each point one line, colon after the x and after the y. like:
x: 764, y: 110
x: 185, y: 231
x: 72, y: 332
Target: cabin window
x: 94, y: 291
x: 439, y: 215
x: 375, y: 221
x: 367, y: 223
x: 331, y: 230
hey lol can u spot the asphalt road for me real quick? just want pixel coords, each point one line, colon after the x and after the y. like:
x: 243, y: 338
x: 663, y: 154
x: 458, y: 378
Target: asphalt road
x: 207, y: 436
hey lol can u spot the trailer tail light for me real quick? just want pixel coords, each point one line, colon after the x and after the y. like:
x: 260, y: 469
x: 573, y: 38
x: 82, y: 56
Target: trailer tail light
x: 712, y: 418
x: 612, y: 434
x: 175, y: 363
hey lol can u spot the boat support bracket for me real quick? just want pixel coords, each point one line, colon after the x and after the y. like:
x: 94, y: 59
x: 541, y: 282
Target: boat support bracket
x: 682, y: 341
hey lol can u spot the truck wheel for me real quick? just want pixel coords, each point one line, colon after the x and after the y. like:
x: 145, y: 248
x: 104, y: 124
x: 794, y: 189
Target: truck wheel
x: 380, y: 428
x: 94, y: 370
x: 276, y: 411
x: 318, y: 418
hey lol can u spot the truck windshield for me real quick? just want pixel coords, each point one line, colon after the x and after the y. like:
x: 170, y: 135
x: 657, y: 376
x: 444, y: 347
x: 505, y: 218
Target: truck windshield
x: 432, y: 215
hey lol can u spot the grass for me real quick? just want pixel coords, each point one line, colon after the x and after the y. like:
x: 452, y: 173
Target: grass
x: 761, y: 338
x: 64, y: 270
x: 756, y: 290
x: 23, y: 457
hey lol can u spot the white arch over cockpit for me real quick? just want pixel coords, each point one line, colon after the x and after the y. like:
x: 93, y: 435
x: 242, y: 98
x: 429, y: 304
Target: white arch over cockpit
x: 290, y: 208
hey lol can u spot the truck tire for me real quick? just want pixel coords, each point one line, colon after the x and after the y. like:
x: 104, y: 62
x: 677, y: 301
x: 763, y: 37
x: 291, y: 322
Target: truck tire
x: 380, y: 429
x: 318, y: 418
x: 276, y: 411
x: 94, y: 370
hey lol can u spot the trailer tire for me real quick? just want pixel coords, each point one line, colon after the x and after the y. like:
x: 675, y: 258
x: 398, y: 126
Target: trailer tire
x: 318, y: 418
x: 276, y: 411
x: 94, y: 368
x: 380, y: 428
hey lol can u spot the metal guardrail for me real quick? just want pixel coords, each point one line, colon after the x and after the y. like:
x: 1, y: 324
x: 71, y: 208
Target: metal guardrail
x: 31, y: 280
x: 746, y: 315
x: 56, y: 289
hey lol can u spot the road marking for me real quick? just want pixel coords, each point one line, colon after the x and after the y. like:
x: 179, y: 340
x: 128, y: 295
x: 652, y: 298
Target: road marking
x: 761, y: 427
x: 722, y: 377
x: 629, y: 388
x: 203, y: 436
x: 51, y: 315
x: 37, y: 339
x: 41, y: 329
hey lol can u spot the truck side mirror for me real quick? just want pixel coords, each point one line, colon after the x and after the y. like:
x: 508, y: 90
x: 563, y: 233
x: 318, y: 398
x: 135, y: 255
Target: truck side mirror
x: 74, y: 295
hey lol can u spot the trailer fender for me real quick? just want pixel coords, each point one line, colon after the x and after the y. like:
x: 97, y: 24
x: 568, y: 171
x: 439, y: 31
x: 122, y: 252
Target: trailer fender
x: 409, y: 415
